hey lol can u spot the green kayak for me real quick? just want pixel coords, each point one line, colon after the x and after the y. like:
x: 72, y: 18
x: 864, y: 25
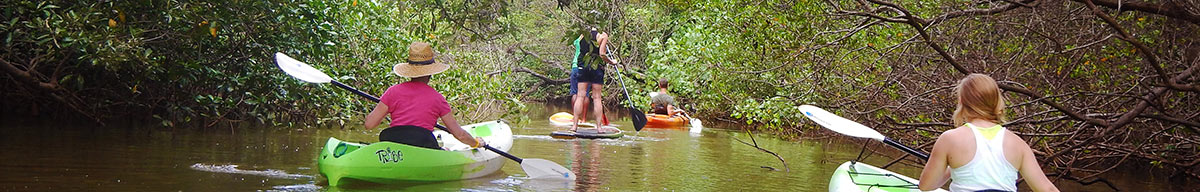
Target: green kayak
x: 344, y: 163
x: 859, y: 176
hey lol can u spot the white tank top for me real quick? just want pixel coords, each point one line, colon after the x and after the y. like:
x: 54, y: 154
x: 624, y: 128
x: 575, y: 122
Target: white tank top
x: 988, y: 169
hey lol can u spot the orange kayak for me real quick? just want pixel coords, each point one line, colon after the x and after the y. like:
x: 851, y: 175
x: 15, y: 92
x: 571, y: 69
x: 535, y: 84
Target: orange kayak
x: 666, y: 122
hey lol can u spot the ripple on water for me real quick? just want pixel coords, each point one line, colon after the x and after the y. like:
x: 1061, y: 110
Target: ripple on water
x: 299, y: 187
x: 521, y: 183
x: 645, y: 138
x: 487, y: 189
x: 233, y: 169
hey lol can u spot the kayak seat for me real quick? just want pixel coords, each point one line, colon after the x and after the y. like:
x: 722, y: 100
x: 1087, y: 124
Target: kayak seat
x: 410, y: 135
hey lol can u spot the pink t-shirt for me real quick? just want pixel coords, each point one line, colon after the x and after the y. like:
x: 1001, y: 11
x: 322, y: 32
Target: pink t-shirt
x: 414, y: 103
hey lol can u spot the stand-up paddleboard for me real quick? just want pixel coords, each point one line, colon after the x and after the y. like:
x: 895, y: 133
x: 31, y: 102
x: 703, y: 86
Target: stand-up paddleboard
x: 589, y: 131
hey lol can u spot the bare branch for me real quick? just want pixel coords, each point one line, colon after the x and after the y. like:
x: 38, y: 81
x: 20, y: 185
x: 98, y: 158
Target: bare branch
x: 755, y: 145
x: 1166, y: 8
x: 544, y: 78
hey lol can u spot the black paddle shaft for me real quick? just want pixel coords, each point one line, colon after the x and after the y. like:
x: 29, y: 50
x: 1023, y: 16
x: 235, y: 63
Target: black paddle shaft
x: 443, y: 128
x: 639, y: 118
x: 510, y: 156
x: 356, y: 91
x: 912, y: 151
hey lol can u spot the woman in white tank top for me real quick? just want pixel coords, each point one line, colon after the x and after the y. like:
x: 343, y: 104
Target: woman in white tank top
x: 981, y: 155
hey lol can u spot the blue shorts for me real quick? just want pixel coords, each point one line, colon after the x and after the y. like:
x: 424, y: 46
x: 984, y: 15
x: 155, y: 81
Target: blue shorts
x: 585, y: 75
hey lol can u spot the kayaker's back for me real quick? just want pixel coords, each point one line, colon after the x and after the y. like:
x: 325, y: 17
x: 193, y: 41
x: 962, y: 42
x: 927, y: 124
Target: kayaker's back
x: 988, y: 167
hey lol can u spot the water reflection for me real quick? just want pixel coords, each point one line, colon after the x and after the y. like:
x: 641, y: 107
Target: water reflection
x: 587, y: 162
x: 62, y: 158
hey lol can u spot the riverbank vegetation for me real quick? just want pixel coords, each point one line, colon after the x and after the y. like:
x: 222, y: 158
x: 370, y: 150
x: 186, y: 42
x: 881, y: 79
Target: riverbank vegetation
x: 209, y: 63
x: 1091, y: 84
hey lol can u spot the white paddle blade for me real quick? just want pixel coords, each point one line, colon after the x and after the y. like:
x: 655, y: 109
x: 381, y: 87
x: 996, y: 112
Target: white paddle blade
x: 696, y: 126
x: 300, y: 70
x: 839, y: 124
x: 546, y: 169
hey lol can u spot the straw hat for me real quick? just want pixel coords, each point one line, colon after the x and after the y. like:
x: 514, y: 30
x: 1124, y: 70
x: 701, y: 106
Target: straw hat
x: 420, y: 62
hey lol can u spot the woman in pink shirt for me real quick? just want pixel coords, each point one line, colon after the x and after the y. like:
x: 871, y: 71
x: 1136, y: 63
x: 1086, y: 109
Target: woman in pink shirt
x: 414, y: 106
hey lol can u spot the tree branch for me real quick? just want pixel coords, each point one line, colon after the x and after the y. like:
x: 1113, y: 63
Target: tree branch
x: 518, y: 48
x: 755, y: 145
x: 544, y: 78
x: 1169, y: 8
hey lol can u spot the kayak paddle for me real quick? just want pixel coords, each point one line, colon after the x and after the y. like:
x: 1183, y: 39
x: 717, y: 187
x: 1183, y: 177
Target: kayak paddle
x: 854, y: 129
x: 639, y: 118
x: 697, y: 127
x: 535, y: 168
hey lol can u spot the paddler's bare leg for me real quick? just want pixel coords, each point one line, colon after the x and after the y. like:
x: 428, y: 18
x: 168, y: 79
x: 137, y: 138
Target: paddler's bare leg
x: 598, y: 107
x: 580, y: 100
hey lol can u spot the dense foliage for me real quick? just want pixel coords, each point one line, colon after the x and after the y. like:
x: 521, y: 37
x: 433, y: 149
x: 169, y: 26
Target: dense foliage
x: 211, y: 62
x: 1089, y: 83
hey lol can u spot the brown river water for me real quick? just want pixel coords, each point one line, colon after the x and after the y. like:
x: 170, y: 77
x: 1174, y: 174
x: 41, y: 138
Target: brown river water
x: 55, y: 158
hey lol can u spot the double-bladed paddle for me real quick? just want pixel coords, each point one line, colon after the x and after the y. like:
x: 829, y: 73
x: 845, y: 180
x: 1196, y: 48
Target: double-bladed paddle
x: 535, y: 168
x: 696, y: 126
x: 853, y: 129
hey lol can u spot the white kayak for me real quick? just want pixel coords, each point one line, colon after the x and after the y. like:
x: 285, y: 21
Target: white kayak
x: 858, y: 176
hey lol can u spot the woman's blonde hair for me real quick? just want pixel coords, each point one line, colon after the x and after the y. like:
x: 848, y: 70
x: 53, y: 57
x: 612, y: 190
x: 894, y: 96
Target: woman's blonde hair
x: 978, y: 98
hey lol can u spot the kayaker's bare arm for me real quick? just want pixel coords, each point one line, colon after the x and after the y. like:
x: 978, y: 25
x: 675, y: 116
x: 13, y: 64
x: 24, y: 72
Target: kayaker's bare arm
x: 1032, y: 171
x: 376, y: 116
x: 671, y: 111
x: 936, y: 171
x: 602, y: 39
x: 458, y: 132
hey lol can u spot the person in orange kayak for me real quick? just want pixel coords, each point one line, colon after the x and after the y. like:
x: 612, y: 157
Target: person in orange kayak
x: 981, y: 155
x: 587, y: 74
x: 662, y: 102
x: 414, y: 106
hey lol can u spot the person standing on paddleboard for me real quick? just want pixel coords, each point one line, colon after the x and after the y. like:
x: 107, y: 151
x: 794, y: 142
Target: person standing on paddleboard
x: 662, y: 102
x: 587, y: 75
x: 414, y: 106
x: 981, y: 155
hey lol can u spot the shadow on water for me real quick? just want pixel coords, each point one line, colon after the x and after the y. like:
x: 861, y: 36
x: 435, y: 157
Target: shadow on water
x: 65, y: 158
